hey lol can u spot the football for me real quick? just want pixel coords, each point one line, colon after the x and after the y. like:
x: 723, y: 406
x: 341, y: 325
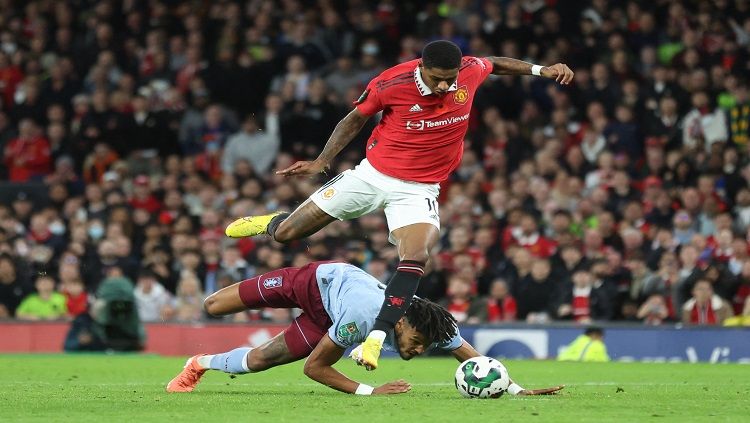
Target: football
x: 482, y: 377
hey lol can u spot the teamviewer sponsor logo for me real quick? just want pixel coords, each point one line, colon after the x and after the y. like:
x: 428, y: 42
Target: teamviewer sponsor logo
x: 419, y: 125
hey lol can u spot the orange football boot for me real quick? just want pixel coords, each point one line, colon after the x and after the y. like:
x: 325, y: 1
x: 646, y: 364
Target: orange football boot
x: 189, y: 376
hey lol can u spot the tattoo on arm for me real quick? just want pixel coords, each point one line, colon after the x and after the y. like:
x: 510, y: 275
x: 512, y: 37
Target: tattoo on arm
x: 509, y: 66
x: 342, y: 135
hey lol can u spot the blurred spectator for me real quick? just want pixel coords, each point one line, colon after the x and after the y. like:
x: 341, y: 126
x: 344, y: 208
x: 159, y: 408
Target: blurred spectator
x: 98, y: 162
x: 536, y: 294
x: 654, y: 310
x: 378, y: 268
x: 256, y: 147
x: 142, y: 197
x: 461, y: 303
x: 742, y: 291
x: 527, y: 235
x: 46, y: 304
x: 742, y: 319
x: 501, y: 306
x: 189, y: 299
x: 211, y: 132
x: 739, y: 116
x: 704, y: 125
x: 705, y: 307
x: 153, y: 301
x: 234, y: 265
x: 566, y: 261
x: 27, y: 157
x: 76, y: 297
x: 583, y: 302
x: 459, y: 239
x: 296, y: 79
x: 12, y: 288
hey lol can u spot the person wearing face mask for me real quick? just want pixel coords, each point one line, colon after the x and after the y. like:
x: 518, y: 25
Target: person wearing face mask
x: 96, y: 231
x: 46, y: 232
x: 418, y: 143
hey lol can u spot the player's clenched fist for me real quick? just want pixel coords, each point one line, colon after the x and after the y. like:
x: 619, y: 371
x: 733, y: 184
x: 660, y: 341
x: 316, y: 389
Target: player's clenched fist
x: 560, y: 72
x: 396, y: 387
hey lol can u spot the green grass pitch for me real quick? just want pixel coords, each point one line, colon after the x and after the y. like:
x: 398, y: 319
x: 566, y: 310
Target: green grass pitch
x: 80, y: 388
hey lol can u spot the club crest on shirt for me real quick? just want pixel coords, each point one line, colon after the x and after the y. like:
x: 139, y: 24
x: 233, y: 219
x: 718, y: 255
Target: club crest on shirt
x: 461, y: 95
x: 271, y: 283
x: 328, y: 194
x: 347, y: 331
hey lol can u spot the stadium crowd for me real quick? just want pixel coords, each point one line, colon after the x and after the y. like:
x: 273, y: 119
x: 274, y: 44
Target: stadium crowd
x: 133, y: 131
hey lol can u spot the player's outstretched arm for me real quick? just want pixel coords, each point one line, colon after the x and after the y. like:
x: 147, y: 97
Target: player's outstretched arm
x: 466, y: 351
x: 319, y: 367
x: 544, y: 391
x: 560, y: 72
x: 342, y: 135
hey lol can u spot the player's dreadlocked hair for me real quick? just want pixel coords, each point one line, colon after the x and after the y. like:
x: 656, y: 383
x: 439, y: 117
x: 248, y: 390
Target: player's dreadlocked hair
x: 441, y: 54
x: 431, y: 320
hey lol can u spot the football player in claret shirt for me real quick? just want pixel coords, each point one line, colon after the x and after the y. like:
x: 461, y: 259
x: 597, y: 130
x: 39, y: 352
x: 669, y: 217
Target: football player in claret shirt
x: 339, y: 303
x: 425, y: 105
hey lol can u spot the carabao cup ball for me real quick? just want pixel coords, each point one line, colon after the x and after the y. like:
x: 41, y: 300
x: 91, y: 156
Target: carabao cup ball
x: 482, y: 377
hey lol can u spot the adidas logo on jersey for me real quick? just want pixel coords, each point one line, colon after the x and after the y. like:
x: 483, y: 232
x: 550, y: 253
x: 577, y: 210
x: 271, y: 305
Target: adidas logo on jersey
x: 415, y: 108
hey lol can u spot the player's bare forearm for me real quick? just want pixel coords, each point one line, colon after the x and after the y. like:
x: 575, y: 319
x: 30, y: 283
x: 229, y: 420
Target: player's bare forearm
x: 509, y: 66
x: 332, y: 378
x: 543, y: 391
x: 318, y: 367
x: 465, y: 352
x: 342, y: 135
x: 560, y: 72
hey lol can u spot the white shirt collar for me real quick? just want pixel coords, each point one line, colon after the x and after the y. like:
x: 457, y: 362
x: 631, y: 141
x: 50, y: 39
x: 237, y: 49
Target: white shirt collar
x: 423, y: 88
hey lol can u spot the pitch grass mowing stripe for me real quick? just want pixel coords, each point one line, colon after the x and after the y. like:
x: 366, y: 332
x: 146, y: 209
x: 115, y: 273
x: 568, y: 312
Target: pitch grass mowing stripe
x: 83, y: 388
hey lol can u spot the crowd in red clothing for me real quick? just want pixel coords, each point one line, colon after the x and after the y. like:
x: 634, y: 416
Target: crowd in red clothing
x: 622, y: 197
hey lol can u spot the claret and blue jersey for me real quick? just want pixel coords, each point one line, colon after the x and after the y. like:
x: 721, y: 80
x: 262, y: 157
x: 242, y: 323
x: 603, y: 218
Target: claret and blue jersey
x: 352, y: 298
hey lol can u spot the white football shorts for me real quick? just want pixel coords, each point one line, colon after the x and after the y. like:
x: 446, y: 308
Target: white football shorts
x: 364, y: 189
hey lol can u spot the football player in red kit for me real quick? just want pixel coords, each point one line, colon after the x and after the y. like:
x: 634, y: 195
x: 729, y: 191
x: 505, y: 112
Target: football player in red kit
x: 425, y: 105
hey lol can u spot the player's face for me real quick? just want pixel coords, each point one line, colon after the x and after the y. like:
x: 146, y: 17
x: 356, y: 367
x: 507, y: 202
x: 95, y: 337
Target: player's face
x: 410, y: 343
x: 439, y: 80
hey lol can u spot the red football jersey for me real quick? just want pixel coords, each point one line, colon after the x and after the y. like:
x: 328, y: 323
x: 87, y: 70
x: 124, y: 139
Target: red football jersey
x: 420, y: 137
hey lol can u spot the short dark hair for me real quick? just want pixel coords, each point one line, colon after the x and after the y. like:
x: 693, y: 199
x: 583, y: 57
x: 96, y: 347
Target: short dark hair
x: 146, y: 272
x: 431, y: 320
x: 441, y: 54
x: 594, y: 330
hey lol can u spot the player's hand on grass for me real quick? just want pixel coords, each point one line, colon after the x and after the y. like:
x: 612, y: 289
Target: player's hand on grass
x: 304, y: 168
x: 544, y: 391
x: 560, y: 72
x: 396, y: 387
